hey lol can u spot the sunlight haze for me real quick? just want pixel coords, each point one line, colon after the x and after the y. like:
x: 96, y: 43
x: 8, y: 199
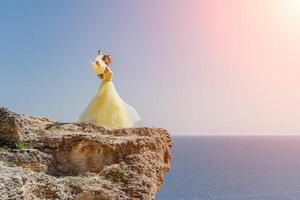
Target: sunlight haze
x: 193, y: 67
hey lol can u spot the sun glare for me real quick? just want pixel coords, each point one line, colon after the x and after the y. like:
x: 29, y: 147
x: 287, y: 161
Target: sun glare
x: 284, y: 15
x: 292, y: 7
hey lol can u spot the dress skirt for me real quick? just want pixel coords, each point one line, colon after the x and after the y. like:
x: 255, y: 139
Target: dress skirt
x: 108, y: 109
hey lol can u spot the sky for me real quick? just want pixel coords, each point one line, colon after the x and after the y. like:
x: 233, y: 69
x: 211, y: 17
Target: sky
x: 196, y: 67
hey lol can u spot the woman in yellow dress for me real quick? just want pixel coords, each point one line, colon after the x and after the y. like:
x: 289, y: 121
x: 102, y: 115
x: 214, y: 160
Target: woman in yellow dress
x: 107, y: 108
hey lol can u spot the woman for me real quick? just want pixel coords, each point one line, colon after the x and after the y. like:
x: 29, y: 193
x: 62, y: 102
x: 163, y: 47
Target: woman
x: 107, y: 109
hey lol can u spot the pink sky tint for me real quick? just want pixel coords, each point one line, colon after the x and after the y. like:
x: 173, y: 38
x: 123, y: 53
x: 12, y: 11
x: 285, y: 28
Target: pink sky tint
x: 193, y: 67
x: 240, y: 64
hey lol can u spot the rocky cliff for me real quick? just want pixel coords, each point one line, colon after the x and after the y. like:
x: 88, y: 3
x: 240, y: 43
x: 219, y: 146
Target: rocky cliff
x: 44, y: 159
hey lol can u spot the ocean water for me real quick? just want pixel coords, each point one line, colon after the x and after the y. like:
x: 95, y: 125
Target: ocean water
x: 234, y: 168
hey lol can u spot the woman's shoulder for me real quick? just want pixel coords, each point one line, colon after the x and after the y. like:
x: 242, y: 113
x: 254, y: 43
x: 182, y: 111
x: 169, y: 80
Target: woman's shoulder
x: 108, y: 69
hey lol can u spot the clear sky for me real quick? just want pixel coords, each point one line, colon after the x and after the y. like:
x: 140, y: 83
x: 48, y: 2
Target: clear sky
x: 192, y: 67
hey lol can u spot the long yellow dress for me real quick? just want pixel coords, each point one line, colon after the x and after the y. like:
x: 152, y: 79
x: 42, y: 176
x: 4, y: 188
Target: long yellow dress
x: 107, y: 108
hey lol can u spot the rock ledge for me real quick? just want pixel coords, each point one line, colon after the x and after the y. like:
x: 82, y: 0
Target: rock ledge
x: 44, y: 159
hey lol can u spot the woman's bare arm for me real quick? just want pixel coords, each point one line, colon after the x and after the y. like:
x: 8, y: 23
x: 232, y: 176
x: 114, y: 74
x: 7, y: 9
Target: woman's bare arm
x: 105, y: 70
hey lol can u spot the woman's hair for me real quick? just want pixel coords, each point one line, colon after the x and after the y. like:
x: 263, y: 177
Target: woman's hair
x: 106, y: 59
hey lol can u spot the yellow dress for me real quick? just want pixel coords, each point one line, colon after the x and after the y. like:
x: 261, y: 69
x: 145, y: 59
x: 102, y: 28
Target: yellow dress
x: 107, y: 108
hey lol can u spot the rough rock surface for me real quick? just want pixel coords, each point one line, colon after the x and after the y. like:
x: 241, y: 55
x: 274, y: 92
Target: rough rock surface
x: 44, y: 159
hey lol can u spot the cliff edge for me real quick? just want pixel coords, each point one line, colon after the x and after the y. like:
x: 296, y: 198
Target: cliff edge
x: 44, y: 159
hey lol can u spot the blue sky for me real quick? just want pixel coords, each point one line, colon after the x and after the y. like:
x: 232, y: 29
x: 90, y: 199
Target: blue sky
x: 46, y: 47
x: 195, y: 67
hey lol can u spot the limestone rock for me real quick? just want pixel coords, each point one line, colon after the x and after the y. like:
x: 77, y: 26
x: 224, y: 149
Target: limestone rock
x: 44, y: 159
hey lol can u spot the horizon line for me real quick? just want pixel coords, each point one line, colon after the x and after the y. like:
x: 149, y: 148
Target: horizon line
x: 235, y: 135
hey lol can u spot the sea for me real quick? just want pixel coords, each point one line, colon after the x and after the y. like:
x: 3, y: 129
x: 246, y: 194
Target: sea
x: 233, y: 168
